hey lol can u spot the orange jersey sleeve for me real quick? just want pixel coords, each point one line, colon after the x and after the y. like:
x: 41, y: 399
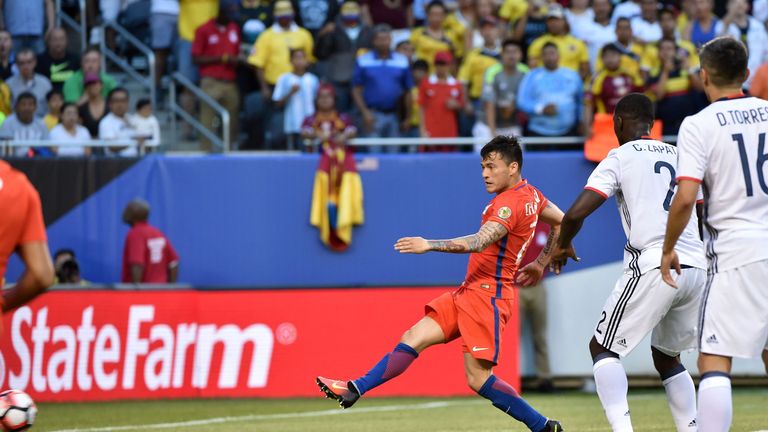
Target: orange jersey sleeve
x: 34, y: 226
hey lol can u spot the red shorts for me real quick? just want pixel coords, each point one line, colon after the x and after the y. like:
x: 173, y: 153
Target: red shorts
x: 477, y: 318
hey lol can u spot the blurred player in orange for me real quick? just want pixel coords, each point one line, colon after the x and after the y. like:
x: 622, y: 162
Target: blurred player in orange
x: 22, y: 230
x: 478, y: 310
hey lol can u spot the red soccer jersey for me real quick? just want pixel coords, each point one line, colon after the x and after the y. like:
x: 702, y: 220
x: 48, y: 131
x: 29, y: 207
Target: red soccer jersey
x: 21, y: 215
x: 147, y: 246
x: 439, y: 120
x: 536, y: 245
x: 493, y: 270
x: 214, y: 40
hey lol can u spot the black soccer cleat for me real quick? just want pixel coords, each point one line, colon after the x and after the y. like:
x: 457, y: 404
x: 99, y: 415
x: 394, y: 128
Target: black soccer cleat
x: 342, y: 391
x: 553, y: 426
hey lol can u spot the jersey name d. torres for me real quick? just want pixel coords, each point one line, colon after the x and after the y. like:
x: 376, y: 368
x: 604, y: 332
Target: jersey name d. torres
x: 493, y: 269
x: 641, y: 173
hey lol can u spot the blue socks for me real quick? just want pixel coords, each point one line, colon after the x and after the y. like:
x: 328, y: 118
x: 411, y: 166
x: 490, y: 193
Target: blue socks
x: 392, y: 365
x: 505, y: 398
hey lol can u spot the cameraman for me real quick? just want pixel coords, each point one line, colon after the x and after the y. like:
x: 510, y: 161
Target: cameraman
x: 67, y: 268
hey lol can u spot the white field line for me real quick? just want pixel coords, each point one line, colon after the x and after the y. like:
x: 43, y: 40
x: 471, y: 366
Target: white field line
x: 263, y: 417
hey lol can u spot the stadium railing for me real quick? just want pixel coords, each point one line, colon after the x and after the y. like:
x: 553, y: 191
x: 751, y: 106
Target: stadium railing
x: 176, y: 110
x: 80, y: 28
x: 6, y: 144
x: 147, y: 82
x: 532, y: 142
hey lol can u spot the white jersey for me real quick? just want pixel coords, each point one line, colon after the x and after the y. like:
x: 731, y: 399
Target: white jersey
x: 725, y: 147
x: 642, y: 174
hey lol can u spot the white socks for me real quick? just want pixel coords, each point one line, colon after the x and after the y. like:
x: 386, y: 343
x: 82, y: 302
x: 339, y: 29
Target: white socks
x: 681, y: 396
x: 612, y: 387
x: 715, y: 405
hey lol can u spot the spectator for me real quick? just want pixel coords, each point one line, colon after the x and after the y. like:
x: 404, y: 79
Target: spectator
x: 525, y: 22
x: 580, y: 18
x: 216, y: 51
x: 6, y: 55
x: 5, y: 100
x: 54, y: 100
x: 441, y: 96
x: 574, y: 52
x: 93, y: 110
x: 381, y: 78
x: 419, y: 71
x: 26, y: 80
x: 397, y: 14
x: 69, y: 130
x: 631, y: 52
x: 672, y: 85
x: 551, y: 96
x: 327, y: 128
x: 145, y: 123
x: 704, y: 26
x: 148, y: 256
x: 599, y: 32
x: 22, y: 125
x: 741, y: 26
x: 339, y: 46
x: 255, y: 14
x: 650, y: 60
x: 164, y: 23
x: 90, y: 64
x: 500, y: 93
x: 271, y: 58
x: 405, y: 47
x: 315, y: 15
x: 472, y: 37
x: 296, y: 92
x: 67, y: 268
x: 628, y: 9
x: 472, y: 71
x: 55, y: 63
x: 27, y: 21
x: 608, y: 86
x: 433, y: 38
x: 759, y: 87
x: 460, y: 22
x: 645, y: 27
x: 116, y: 124
x: 533, y: 309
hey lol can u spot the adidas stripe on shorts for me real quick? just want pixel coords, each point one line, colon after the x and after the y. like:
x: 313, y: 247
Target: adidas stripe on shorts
x: 639, y: 305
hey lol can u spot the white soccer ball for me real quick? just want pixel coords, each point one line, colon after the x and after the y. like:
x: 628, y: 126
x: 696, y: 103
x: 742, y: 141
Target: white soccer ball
x: 17, y: 410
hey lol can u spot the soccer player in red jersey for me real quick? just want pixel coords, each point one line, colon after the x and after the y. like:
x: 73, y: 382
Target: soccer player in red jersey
x: 148, y: 256
x: 478, y: 310
x: 22, y: 230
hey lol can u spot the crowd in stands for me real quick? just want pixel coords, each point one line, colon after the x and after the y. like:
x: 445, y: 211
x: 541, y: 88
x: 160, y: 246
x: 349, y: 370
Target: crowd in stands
x: 389, y: 68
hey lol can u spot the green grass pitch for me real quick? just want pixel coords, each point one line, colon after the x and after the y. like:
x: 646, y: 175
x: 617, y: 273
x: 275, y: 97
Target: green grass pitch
x: 579, y: 412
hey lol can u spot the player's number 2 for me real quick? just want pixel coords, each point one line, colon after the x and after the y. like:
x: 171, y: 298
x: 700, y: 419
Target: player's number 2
x: 672, y: 182
x: 761, y: 159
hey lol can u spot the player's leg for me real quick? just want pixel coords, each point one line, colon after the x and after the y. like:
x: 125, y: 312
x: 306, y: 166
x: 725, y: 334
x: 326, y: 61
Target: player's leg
x: 675, y: 333
x: 612, y: 386
x: 480, y: 378
x: 437, y: 326
x: 715, y: 410
x: 765, y: 359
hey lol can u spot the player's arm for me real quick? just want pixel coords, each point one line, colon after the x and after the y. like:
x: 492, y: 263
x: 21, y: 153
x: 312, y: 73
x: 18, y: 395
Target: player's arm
x: 137, y: 271
x: 173, y: 272
x: 700, y: 215
x: 679, y: 215
x: 532, y: 273
x: 489, y: 233
x: 38, y: 275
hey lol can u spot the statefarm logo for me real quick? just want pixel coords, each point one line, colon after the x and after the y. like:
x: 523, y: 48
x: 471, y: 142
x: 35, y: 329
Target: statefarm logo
x: 88, y: 357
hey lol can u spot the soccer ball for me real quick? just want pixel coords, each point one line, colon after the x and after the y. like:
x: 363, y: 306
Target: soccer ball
x: 17, y: 410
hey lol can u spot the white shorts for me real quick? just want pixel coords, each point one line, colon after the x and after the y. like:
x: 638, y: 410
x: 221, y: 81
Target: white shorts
x: 734, y: 312
x: 638, y: 305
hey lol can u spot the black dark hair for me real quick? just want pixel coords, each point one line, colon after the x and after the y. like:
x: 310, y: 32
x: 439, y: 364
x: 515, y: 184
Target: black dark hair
x: 420, y: 64
x: 667, y: 10
x: 294, y: 51
x: 725, y: 60
x: 142, y: 103
x: 52, y: 93
x: 116, y: 90
x: 91, y: 49
x: 610, y: 47
x: 25, y: 95
x: 70, y: 104
x: 674, y: 42
x: 436, y: 3
x: 63, y: 251
x: 635, y: 107
x: 624, y: 19
x: 26, y: 51
x: 508, y: 42
x: 549, y: 45
x: 508, y: 147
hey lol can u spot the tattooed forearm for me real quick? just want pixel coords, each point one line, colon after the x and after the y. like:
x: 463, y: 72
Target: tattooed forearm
x: 489, y: 233
x: 545, y: 254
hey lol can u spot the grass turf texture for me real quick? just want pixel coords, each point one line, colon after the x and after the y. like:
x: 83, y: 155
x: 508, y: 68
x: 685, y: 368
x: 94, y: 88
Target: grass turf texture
x: 579, y: 412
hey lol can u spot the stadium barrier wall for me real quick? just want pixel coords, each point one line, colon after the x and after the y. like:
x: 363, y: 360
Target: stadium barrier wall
x: 107, y: 345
